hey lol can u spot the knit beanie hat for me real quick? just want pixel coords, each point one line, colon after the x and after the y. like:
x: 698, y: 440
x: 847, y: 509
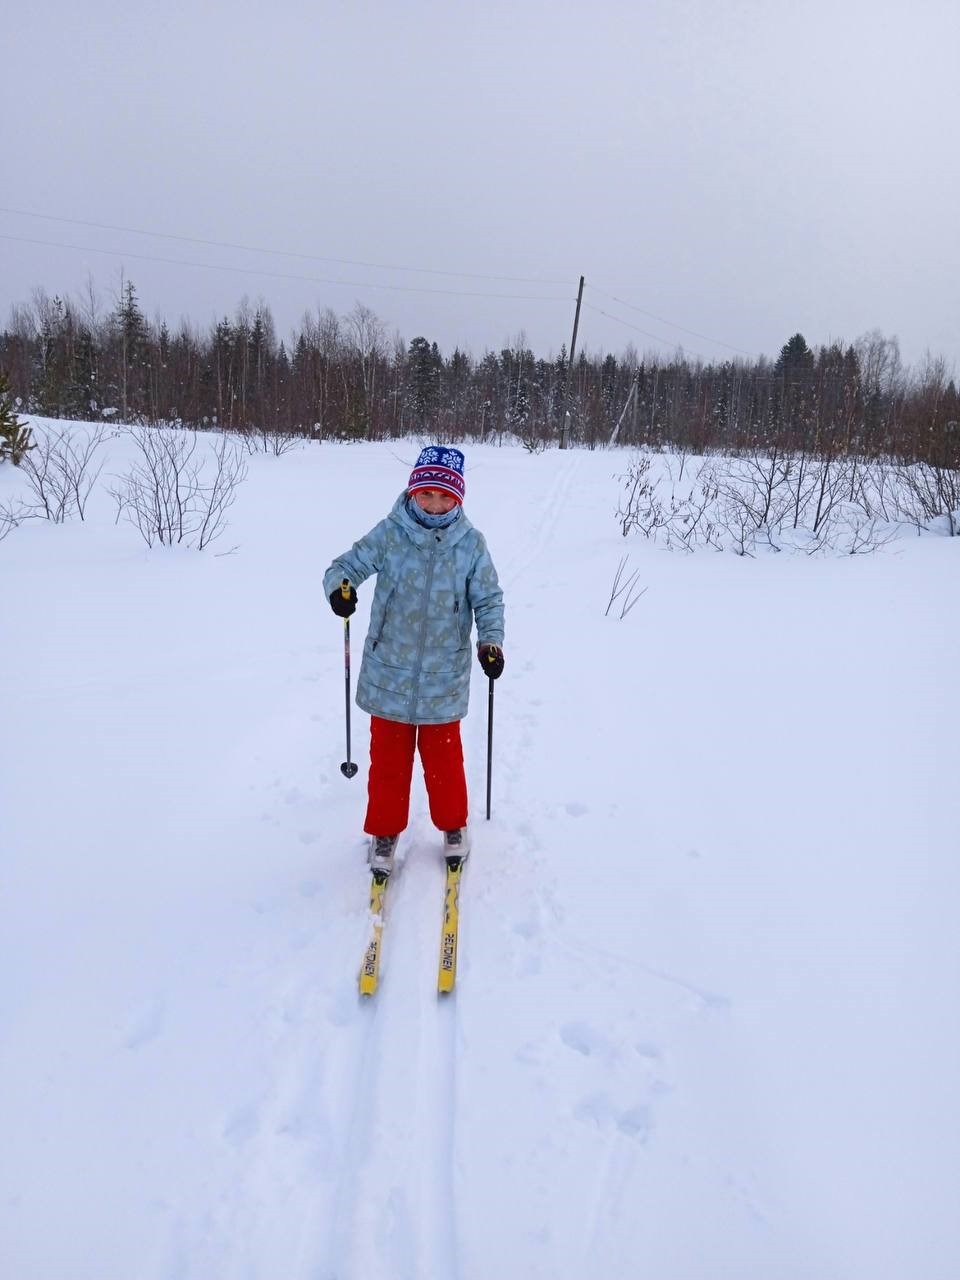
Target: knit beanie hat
x: 439, y: 467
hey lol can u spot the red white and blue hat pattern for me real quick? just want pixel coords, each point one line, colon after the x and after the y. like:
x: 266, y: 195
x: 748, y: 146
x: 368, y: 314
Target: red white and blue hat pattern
x: 439, y: 467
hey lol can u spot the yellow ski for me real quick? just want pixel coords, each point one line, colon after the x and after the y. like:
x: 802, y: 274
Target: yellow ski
x: 447, y: 974
x: 370, y: 969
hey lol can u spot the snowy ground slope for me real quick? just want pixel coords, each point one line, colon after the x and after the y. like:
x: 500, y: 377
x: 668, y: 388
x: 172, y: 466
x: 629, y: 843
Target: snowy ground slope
x: 706, y: 1018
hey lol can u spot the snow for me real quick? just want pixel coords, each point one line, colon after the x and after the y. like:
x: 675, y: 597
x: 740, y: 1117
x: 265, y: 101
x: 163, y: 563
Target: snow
x: 705, y: 1018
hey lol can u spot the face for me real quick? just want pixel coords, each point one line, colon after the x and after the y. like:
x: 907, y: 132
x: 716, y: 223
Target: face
x: 435, y: 502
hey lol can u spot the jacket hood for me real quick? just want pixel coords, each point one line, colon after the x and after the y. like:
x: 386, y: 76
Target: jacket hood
x: 421, y: 535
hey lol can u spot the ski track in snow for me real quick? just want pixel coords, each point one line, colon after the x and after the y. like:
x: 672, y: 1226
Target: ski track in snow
x: 401, y: 1105
x: 546, y: 524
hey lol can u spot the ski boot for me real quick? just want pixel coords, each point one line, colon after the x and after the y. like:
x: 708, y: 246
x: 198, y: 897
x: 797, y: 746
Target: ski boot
x: 380, y: 853
x: 456, y: 846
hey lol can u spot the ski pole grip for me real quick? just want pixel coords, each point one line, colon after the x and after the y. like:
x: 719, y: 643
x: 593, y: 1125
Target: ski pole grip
x: 345, y: 589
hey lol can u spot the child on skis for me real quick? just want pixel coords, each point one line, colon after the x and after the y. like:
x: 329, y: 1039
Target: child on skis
x: 434, y: 576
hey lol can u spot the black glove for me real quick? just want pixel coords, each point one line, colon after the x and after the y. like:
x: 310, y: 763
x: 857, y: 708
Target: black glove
x: 343, y: 605
x: 490, y: 657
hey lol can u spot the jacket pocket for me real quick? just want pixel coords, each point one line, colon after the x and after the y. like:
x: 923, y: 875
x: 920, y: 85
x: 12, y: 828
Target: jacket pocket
x: 461, y: 616
x: 378, y: 630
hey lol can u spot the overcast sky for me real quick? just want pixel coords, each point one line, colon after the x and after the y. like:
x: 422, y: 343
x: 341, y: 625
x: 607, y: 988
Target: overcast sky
x: 742, y: 169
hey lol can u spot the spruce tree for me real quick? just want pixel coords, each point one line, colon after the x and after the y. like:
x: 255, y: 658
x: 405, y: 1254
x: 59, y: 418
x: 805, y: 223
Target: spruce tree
x: 81, y: 398
x: 795, y: 358
x: 128, y: 330
x: 14, y: 435
x: 51, y: 371
x: 425, y: 365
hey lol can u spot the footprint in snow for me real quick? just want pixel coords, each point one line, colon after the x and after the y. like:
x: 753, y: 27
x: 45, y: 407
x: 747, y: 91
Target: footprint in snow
x: 636, y: 1122
x: 243, y: 1124
x: 529, y: 836
x: 599, y: 1112
x: 575, y: 809
x: 528, y: 929
x: 529, y: 1055
x: 584, y: 1039
x: 629, y: 1067
x: 146, y: 1024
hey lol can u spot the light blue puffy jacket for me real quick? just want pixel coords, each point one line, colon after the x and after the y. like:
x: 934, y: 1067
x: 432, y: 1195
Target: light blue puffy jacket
x: 430, y: 584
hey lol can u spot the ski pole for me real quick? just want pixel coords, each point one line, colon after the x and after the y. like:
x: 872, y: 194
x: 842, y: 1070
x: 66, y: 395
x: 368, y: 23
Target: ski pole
x: 348, y: 768
x: 489, y: 744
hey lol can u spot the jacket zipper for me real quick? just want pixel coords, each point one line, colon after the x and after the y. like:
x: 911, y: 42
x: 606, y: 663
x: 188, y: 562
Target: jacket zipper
x: 424, y: 601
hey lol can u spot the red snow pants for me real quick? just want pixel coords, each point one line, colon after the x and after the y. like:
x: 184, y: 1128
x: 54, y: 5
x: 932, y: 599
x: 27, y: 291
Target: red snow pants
x: 392, y: 746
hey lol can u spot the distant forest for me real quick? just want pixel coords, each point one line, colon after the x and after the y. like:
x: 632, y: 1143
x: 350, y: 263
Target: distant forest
x: 343, y: 377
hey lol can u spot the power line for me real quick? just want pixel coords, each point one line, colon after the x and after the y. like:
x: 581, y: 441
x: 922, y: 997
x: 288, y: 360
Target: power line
x: 281, y: 275
x: 693, y: 332
x: 645, y: 332
x: 380, y: 266
x: 279, y: 253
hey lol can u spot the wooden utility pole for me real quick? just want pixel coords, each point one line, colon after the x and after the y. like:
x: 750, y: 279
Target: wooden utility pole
x: 566, y: 382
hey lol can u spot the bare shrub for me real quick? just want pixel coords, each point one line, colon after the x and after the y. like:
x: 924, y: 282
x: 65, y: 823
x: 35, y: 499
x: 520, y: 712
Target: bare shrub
x: 770, y: 500
x: 829, y: 489
x: 175, y: 493
x: 639, y: 506
x: 929, y: 493
x: 753, y: 498
x: 11, y: 517
x: 692, y: 517
x: 802, y: 483
x: 270, y: 441
x: 855, y: 532
x: 61, y: 474
x: 877, y: 492
x: 626, y: 587
x: 736, y: 520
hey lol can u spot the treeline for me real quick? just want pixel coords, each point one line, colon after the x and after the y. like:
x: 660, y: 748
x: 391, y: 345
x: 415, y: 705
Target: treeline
x: 342, y: 377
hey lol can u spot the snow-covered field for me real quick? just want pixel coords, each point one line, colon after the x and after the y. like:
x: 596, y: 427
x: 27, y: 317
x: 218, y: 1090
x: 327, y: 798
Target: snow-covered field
x: 706, y: 1020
